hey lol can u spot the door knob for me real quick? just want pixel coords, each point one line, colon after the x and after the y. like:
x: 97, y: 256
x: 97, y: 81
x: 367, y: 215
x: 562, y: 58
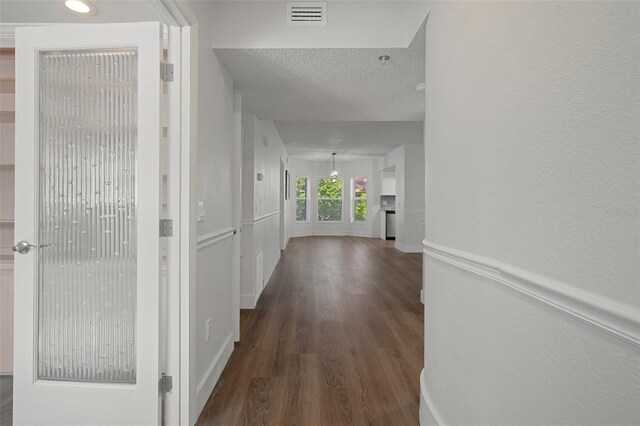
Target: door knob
x: 23, y: 247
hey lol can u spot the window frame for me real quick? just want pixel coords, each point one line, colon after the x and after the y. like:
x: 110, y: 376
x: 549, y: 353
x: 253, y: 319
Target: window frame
x: 318, y: 201
x: 354, y: 199
x: 307, y: 199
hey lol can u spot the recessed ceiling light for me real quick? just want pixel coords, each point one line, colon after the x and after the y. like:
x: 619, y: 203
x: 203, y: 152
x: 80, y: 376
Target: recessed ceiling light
x: 80, y: 6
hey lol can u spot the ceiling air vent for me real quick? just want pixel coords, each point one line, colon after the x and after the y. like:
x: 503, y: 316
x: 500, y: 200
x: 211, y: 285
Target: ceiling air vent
x: 307, y: 13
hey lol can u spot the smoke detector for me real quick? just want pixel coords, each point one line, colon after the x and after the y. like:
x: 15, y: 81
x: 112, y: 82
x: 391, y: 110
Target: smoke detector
x: 384, y: 59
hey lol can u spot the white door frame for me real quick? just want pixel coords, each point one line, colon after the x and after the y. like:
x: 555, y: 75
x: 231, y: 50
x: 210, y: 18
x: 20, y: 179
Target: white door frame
x: 55, y: 397
x: 178, y: 356
x: 188, y: 222
x: 237, y: 213
x: 283, y: 191
x: 173, y: 291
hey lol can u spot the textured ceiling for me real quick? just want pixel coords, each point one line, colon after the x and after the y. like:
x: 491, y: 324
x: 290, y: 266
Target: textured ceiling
x: 351, y: 139
x: 329, y: 84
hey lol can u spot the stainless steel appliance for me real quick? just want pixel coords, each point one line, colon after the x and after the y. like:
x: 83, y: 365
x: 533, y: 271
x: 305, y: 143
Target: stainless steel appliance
x: 390, y: 225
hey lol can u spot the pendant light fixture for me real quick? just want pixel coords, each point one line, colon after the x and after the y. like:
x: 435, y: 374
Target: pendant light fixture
x: 334, y: 173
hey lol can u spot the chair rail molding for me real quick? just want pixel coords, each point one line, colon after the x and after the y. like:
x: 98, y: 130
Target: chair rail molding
x: 215, y: 237
x: 616, y: 318
x: 260, y: 218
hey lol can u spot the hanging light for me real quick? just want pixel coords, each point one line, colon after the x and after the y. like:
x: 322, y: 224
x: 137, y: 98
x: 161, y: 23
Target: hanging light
x: 334, y: 173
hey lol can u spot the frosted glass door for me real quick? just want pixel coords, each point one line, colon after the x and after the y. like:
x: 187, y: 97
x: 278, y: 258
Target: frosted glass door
x: 87, y: 216
x: 87, y: 296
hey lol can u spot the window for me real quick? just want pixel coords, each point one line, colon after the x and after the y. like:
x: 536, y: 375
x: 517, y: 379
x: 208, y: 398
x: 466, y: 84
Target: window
x: 329, y: 200
x: 302, y: 199
x: 359, y: 199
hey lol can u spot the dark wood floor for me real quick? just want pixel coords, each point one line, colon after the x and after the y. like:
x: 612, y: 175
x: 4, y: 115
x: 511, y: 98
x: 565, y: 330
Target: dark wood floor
x: 6, y: 400
x: 336, y: 338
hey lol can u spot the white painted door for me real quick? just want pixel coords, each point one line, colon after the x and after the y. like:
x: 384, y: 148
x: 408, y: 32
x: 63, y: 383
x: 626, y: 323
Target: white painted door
x: 87, y: 299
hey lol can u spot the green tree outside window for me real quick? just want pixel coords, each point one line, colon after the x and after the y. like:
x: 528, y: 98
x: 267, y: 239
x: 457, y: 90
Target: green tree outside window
x: 302, y: 192
x: 360, y: 199
x: 329, y: 200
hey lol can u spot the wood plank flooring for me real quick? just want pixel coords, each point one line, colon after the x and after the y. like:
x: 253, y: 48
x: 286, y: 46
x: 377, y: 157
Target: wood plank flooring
x: 336, y: 339
x: 6, y: 400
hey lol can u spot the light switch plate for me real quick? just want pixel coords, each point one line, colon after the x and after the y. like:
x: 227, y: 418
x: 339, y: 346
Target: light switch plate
x: 201, y: 211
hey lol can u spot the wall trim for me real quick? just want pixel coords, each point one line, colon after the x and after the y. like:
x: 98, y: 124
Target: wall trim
x: 260, y: 218
x: 271, y: 270
x: 427, y: 408
x: 8, y: 31
x: 331, y: 234
x: 211, y: 376
x: 171, y: 13
x: 247, y: 301
x: 268, y: 273
x: 407, y: 248
x: 616, y: 318
x: 215, y: 237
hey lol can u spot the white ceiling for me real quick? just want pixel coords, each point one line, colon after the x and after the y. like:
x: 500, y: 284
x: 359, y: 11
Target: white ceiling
x: 328, y: 1
x: 329, y: 84
x: 54, y: 11
x: 324, y: 100
x: 314, y: 140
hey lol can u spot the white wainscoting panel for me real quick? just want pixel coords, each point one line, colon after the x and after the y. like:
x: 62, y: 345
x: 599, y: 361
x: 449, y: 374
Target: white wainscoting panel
x: 215, y: 237
x: 619, y: 319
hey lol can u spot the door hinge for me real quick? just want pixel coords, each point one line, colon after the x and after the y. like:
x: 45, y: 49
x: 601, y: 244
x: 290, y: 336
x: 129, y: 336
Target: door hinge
x: 165, y: 384
x: 166, y: 71
x: 166, y: 227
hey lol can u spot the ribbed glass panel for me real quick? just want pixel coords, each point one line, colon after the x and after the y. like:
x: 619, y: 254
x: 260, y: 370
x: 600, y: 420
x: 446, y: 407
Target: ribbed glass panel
x: 87, y: 215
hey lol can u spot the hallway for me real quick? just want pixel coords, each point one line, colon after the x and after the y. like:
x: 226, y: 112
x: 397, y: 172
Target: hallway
x: 336, y: 338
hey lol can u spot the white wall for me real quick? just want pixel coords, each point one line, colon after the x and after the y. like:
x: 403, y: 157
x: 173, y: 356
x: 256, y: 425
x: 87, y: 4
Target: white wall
x: 532, y: 225
x: 388, y: 179
x: 409, y: 165
x: 348, y: 170
x: 262, y: 152
x: 211, y: 281
x: 370, y: 24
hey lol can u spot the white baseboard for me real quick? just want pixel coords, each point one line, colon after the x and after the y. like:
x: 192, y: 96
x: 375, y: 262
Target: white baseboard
x: 270, y: 270
x: 428, y: 414
x: 267, y: 277
x: 247, y: 301
x: 334, y: 234
x: 208, y: 382
x: 408, y: 248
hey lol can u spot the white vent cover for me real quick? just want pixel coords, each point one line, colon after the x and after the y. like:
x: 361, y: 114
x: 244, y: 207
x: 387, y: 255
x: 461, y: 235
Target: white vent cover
x: 307, y: 13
